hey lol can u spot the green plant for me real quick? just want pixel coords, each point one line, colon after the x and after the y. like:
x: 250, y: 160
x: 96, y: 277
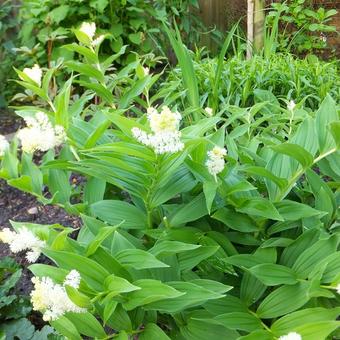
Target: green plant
x: 8, y: 31
x: 15, y: 309
x: 285, y: 77
x: 46, y: 25
x: 193, y: 226
x: 304, y: 29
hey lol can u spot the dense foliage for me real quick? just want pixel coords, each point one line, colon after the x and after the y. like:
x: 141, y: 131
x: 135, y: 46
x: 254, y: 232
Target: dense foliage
x: 47, y: 25
x: 15, y: 308
x: 304, y: 28
x: 278, y: 79
x: 198, y: 221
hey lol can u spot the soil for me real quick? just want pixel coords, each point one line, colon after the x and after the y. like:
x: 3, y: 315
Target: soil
x: 21, y: 207
x: 9, y: 122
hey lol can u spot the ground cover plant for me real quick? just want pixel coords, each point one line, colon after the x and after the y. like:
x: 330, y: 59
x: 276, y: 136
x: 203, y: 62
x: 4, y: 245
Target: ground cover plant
x: 47, y: 25
x: 199, y: 219
x: 304, y: 28
x: 279, y: 78
x: 15, y: 308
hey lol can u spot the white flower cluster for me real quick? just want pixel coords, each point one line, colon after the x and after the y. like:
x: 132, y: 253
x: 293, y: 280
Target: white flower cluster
x: 22, y: 240
x: 291, y: 105
x: 34, y: 73
x: 40, y: 134
x: 215, y: 162
x: 209, y: 111
x: 166, y: 138
x: 291, y: 336
x: 146, y: 71
x: 338, y: 288
x: 51, y: 298
x: 4, y: 145
x: 89, y: 29
x: 72, y: 279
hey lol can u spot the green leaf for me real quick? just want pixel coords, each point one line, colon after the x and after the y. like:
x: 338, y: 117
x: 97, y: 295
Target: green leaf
x: 59, y: 13
x: 209, y: 189
x: 135, y: 38
x: 191, y: 211
x: 87, y: 70
x: 152, y: 331
x: 119, y: 320
x: 151, y: 290
x: 262, y: 172
x: 171, y: 247
x: 122, y: 336
x: 66, y: 328
x: 94, y: 190
x: 201, y: 330
x: 256, y: 335
x: 234, y: 220
x: 317, y: 330
x: 297, y: 152
x: 292, y: 211
x: 294, y: 250
x: 100, y: 90
x: 240, y: 321
x: 306, y: 316
x: 335, y: 131
x: 116, y: 284
x: 139, y: 259
x: 86, y: 52
x: 274, y: 274
x: 313, y: 255
x: 115, y: 212
x: 61, y: 103
x: 186, y: 64
x: 93, y: 273
x: 220, y: 63
x: 87, y: 324
x: 99, y: 5
x: 224, y: 305
x: 211, y: 285
x: 138, y: 88
x: 283, y: 300
x: 97, y: 133
x: 189, y: 259
x: 193, y: 295
x: 78, y: 298
x: 258, y: 206
x: 326, y: 114
x: 30, y: 169
x: 98, y: 240
x: 251, y: 289
x: 59, y: 185
x: 109, y: 309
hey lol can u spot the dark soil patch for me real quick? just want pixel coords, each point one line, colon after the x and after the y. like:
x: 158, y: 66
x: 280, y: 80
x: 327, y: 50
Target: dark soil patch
x: 21, y: 207
x: 9, y: 122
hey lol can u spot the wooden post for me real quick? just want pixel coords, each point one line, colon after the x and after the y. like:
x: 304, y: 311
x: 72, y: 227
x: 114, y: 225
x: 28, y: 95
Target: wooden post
x: 250, y: 27
x: 255, y: 26
x: 259, y: 18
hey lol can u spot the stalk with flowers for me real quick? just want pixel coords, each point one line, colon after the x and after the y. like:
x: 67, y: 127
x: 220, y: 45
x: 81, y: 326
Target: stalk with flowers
x: 192, y: 227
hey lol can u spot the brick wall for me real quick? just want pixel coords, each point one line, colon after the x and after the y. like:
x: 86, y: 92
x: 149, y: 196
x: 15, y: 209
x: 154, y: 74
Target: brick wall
x: 333, y: 38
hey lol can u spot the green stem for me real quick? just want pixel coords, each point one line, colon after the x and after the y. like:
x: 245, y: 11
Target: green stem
x: 148, y: 206
x: 262, y: 323
x: 300, y: 173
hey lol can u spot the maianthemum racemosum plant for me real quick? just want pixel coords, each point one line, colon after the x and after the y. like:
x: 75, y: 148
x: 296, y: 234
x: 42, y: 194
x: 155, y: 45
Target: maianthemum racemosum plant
x: 196, y: 223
